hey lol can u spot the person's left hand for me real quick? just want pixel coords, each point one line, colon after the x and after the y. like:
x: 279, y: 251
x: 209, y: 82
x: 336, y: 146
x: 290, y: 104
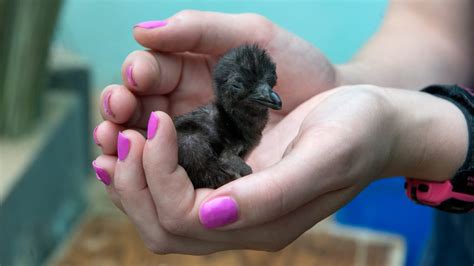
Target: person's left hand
x: 312, y: 163
x: 175, y: 75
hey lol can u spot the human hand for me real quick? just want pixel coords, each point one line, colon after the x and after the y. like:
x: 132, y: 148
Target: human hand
x: 346, y: 137
x: 175, y: 75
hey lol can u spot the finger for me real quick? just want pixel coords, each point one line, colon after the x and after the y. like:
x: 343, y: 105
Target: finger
x: 183, y: 79
x: 117, y: 104
x: 105, y: 136
x: 165, y: 177
x: 203, y: 32
x: 129, y: 170
x: 121, y: 106
x: 132, y: 189
x: 147, y: 72
x: 104, y: 167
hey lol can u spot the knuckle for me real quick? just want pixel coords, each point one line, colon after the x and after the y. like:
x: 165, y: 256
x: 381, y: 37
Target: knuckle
x: 276, y: 246
x: 135, y: 136
x: 265, y: 27
x: 157, y: 247
x: 160, y: 250
x: 134, y: 54
x: 174, y: 226
x: 187, y: 13
x: 258, y: 19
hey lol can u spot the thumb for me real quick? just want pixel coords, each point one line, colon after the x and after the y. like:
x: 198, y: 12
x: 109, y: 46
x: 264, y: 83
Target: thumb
x: 312, y: 168
x: 203, y: 32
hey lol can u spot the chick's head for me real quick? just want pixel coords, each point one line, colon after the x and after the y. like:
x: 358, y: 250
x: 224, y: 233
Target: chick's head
x: 245, y: 77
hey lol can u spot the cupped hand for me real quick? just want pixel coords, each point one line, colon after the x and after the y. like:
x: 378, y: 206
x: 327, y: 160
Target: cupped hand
x: 174, y: 76
x: 333, y: 146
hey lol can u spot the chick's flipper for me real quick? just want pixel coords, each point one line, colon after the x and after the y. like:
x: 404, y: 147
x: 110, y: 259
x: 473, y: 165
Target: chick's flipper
x: 216, y: 176
x: 234, y: 165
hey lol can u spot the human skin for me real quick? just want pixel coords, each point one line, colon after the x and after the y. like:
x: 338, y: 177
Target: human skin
x: 419, y: 43
x: 330, y: 156
x: 324, y: 149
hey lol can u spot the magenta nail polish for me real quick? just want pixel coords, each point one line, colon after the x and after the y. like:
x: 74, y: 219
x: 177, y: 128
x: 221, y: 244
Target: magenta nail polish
x: 106, y: 104
x: 218, y: 212
x: 130, y: 79
x: 94, y: 136
x: 152, y: 125
x: 101, y: 174
x: 123, y: 146
x: 151, y: 24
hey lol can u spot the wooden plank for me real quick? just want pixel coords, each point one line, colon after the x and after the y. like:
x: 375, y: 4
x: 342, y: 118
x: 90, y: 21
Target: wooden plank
x: 112, y: 240
x: 26, y: 32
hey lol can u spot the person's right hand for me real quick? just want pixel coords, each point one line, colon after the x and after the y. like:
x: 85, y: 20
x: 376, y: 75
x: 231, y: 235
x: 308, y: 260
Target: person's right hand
x: 338, y: 142
x: 175, y: 75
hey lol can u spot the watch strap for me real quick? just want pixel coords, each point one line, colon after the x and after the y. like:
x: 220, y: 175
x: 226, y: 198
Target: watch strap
x: 463, y: 98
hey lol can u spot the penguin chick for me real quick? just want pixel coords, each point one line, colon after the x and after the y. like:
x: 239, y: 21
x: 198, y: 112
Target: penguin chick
x: 214, y: 139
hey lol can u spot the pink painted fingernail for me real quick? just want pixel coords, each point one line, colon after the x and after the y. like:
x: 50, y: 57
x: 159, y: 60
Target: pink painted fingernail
x: 151, y: 24
x: 130, y: 79
x: 218, y: 212
x: 94, y: 136
x: 152, y: 125
x: 106, y: 103
x: 101, y: 174
x: 123, y: 146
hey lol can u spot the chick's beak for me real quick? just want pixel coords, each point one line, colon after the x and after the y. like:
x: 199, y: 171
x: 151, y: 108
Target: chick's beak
x: 264, y: 95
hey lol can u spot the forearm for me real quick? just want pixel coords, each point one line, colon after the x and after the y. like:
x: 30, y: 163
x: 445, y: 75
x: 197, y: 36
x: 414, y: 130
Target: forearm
x: 419, y: 43
x: 432, y: 136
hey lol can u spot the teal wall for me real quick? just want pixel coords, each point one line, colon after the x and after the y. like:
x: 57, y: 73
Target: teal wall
x: 100, y: 30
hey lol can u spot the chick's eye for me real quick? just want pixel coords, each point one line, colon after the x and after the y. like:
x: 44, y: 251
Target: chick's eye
x: 236, y: 86
x: 271, y: 81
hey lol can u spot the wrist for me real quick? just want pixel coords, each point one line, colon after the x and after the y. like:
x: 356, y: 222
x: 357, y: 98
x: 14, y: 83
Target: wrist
x: 432, y: 136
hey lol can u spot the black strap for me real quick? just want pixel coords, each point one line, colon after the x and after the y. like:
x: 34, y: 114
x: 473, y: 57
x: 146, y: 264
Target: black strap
x: 463, y: 98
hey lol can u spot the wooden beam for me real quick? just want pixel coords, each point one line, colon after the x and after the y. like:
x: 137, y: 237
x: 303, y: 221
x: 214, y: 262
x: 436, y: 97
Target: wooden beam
x: 25, y: 33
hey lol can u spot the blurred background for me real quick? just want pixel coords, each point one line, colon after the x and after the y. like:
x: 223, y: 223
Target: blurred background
x: 55, y: 58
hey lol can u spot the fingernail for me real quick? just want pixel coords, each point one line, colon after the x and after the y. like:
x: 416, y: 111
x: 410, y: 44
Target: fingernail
x: 218, y: 212
x: 151, y: 24
x: 94, y: 136
x: 130, y: 79
x: 107, y: 104
x: 123, y: 146
x: 101, y: 174
x: 152, y: 125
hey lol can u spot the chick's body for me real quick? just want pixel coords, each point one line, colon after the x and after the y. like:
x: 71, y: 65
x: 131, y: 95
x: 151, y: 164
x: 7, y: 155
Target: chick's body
x: 214, y: 139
